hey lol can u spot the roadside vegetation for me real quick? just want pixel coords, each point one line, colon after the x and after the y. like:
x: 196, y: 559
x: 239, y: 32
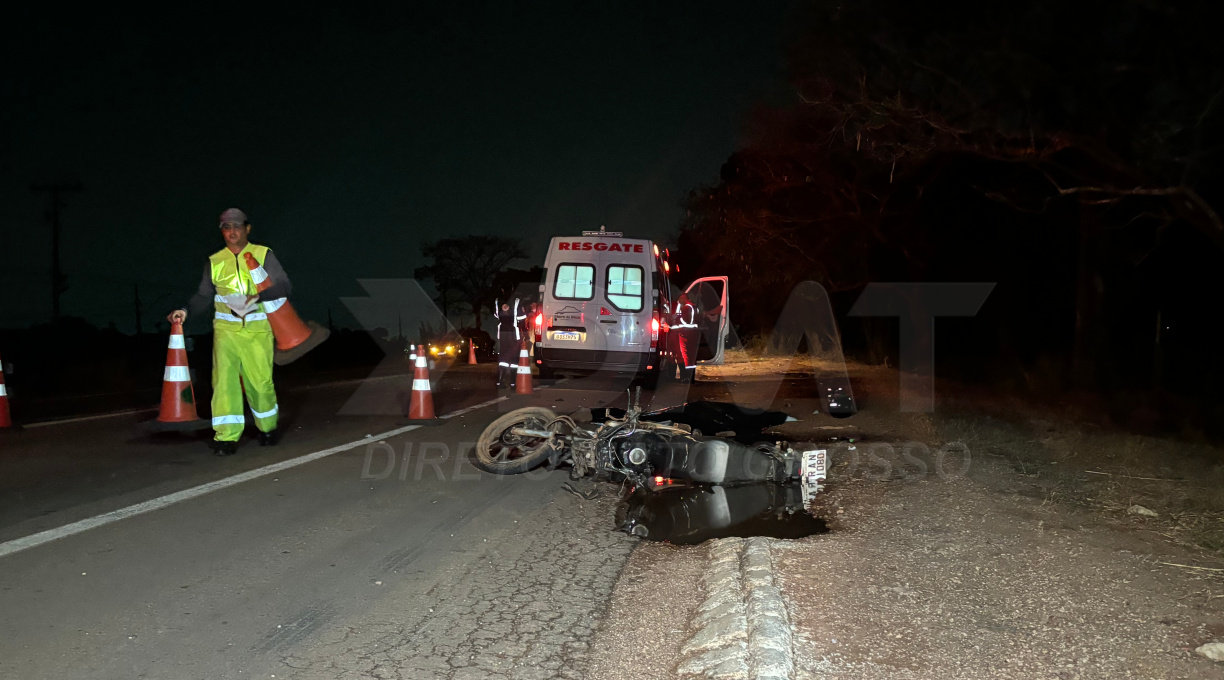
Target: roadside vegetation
x: 1068, y: 452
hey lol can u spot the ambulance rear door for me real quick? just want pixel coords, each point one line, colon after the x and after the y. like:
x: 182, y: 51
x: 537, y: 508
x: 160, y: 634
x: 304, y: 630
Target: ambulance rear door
x: 709, y: 294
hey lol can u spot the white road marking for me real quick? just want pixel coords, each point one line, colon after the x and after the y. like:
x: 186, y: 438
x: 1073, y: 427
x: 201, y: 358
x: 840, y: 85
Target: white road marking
x: 469, y: 409
x: 340, y: 383
x: 19, y: 544
x: 116, y: 414
x: 82, y: 419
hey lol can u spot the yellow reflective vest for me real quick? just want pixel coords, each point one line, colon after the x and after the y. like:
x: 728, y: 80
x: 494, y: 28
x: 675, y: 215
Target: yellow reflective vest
x: 231, y: 275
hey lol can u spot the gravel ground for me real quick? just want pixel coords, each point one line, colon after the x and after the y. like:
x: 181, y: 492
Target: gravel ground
x: 955, y: 552
x: 951, y: 579
x: 647, y: 620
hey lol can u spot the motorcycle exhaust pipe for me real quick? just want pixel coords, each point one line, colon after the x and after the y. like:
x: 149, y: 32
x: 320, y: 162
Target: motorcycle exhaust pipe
x: 528, y: 432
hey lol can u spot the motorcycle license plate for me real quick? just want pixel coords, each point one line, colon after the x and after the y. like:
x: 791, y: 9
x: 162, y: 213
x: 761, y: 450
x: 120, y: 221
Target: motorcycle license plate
x: 813, y: 471
x: 566, y: 335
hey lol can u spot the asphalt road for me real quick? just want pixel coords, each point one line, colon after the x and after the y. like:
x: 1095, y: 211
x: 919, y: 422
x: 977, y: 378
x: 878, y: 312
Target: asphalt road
x: 382, y: 556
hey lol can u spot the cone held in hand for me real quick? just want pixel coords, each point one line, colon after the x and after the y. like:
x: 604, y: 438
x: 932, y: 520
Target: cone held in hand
x: 294, y: 337
x: 522, y: 380
x: 471, y: 353
x: 178, y: 409
x: 421, y: 407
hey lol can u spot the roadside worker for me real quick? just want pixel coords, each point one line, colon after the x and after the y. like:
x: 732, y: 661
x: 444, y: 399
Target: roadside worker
x: 242, y: 337
x: 684, y: 336
x: 509, y: 340
x: 529, y: 326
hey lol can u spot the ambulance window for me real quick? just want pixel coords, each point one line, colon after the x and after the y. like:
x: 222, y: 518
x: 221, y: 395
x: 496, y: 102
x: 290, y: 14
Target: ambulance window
x: 575, y: 282
x: 625, y: 287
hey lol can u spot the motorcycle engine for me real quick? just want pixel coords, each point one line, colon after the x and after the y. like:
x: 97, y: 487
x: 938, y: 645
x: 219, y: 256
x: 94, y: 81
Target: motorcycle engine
x: 633, y: 453
x: 583, y: 453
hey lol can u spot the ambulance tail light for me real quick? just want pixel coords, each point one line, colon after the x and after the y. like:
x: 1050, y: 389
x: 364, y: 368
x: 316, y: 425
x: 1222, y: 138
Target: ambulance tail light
x: 539, y: 327
x: 654, y: 331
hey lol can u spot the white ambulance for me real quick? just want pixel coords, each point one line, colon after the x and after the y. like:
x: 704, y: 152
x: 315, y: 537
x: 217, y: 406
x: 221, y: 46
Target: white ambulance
x: 606, y: 302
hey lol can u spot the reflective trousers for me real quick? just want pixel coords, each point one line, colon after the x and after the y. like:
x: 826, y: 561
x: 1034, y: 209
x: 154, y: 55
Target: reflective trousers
x: 508, y: 348
x: 242, y: 361
x: 686, y: 343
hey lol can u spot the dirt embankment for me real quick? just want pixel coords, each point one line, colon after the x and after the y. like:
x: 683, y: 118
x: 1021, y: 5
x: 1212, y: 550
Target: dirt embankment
x: 987, y: 540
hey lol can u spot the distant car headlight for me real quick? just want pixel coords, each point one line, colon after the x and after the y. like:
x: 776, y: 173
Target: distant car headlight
x: 433, y: 350
x: 450, y: 349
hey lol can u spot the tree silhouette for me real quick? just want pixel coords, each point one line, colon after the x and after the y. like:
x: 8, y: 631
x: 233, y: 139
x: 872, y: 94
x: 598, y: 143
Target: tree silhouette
x: 468, y: 267
x: 1098, y: 115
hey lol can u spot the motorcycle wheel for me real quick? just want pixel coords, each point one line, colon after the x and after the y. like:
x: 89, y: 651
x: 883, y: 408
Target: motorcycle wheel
x: 502, y: 453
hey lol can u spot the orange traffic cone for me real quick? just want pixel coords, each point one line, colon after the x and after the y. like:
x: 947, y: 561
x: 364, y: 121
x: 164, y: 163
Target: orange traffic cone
x: 178, y: 411
x: 522, y: 381
x: 5, y: 419
x: 294, y: 338
x: 421, y: 406
x: 471, y: 353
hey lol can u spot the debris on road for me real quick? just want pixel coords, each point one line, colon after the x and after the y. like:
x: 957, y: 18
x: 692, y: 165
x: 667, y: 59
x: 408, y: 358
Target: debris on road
x: 1141, y: 511
x: 1212, y: 650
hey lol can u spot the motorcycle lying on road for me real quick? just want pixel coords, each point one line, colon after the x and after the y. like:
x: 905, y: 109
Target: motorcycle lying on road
x: 651, y: 450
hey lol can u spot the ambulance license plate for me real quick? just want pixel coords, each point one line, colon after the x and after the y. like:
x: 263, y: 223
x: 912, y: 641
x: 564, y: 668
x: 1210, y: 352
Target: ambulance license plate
x: 566, y: 335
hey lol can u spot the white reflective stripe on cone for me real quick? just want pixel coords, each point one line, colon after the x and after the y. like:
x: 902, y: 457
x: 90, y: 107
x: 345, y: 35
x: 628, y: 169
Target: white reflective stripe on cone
x: 229, y: 420
x: 2, y: 392
x: 176, y: 342
x: 420, y: 385
x: 257, y: 316
x: 267, y: 414
x: 177, y: 374
x: 273, y: 305
x: 524, y: 369
x: 259, y: 275
x: 522, y: 352
x: 421, y: 361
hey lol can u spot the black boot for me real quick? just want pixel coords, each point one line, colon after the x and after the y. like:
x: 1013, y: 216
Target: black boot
x: 269, y: 438
x: 224, y: 448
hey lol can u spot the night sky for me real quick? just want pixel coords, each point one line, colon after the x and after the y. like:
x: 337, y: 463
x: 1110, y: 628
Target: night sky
x: 349, y: 141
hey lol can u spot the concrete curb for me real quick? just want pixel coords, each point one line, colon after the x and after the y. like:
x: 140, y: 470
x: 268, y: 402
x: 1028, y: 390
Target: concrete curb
x: 742, y: 629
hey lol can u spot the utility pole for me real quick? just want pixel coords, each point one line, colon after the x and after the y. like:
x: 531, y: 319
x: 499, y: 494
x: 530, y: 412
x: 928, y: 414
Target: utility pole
x: 136, y: 300
x: 58, y: 280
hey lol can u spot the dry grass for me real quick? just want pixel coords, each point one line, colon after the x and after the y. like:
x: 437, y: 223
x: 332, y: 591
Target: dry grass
x: 1072, y: 460
x: 1109, y: 471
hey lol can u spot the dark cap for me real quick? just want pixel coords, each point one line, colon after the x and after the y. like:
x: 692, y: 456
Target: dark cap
x: 233, y: 215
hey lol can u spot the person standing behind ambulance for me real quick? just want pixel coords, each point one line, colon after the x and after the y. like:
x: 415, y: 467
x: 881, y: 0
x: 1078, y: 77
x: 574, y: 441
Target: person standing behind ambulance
x: 509, y: 340
x: 684, y: 329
